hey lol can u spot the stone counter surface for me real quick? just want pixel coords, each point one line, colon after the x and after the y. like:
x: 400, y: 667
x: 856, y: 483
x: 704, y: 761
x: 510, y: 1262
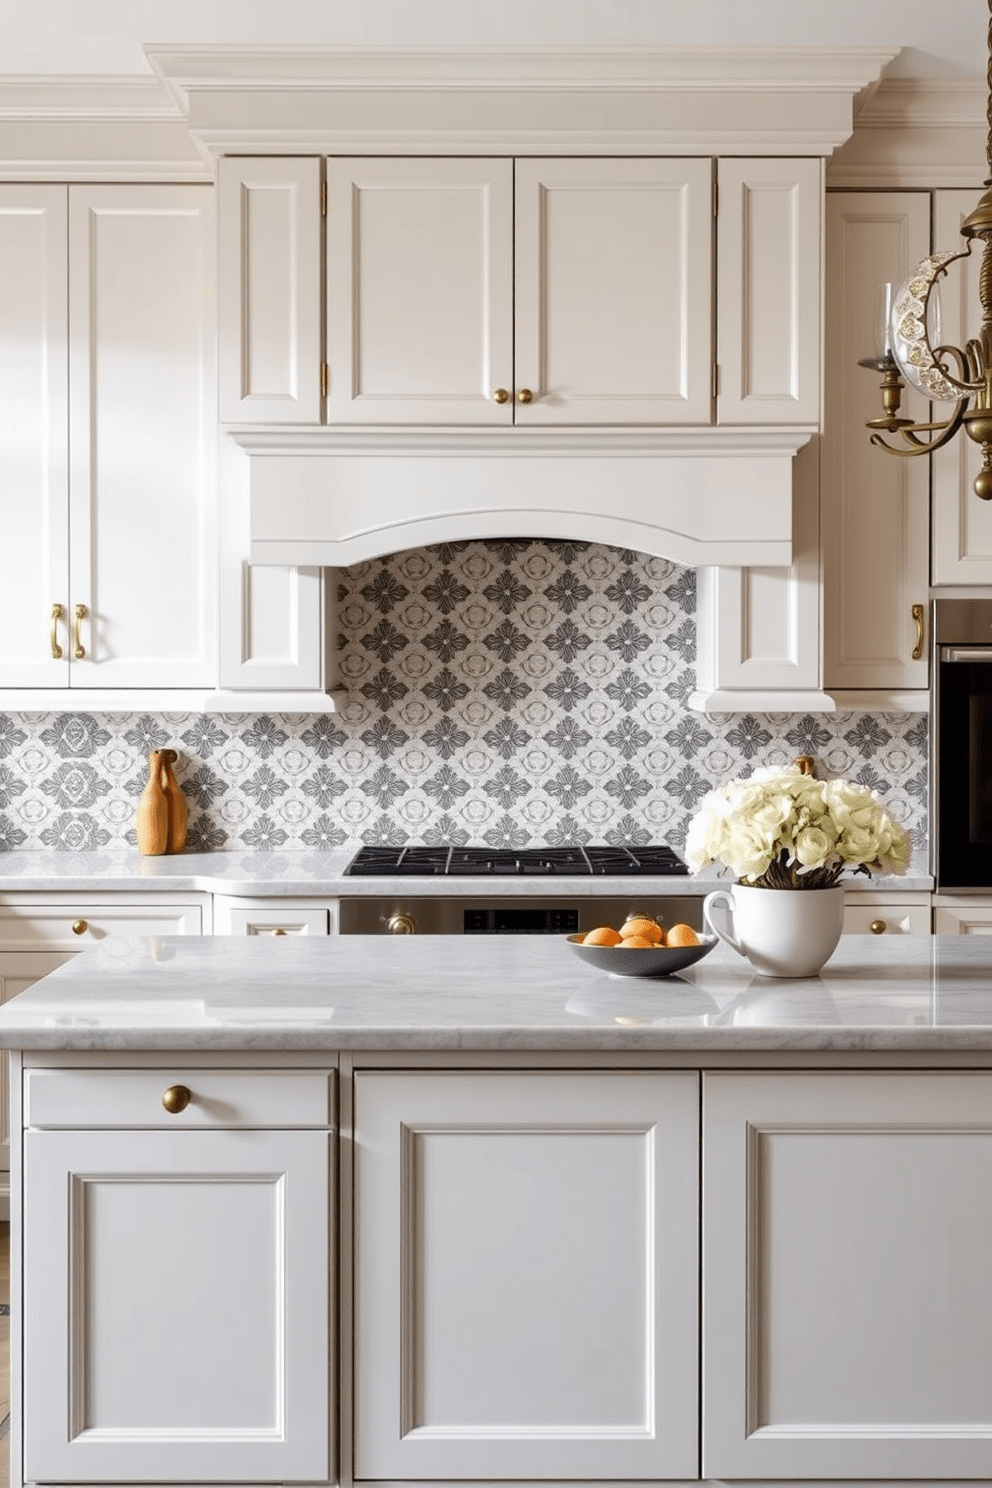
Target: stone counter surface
x: 478, y: 993
x: 292, y: 874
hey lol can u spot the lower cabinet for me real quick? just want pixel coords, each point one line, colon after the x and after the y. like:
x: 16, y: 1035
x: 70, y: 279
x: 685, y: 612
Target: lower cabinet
x: 266, y: 916
x: 179, y: 1328
x: 847, y: 1295
x: 962, y: 914
x: 526, y: 1275
x: 898, y: 913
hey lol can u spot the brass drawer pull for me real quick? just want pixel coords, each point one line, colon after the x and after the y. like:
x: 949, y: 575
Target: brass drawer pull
x: 57, y: 652
x: 79, y: 614
x: 176, y: 1099
x: 918, y: 613
x: 525, y: 396
x: 278, y: 930
x: 878, y: 927
x: 79, y: 927
x: 501, y: 396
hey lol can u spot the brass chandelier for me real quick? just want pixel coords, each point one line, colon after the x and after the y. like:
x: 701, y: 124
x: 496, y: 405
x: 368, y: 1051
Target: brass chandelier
x: 944, y: 374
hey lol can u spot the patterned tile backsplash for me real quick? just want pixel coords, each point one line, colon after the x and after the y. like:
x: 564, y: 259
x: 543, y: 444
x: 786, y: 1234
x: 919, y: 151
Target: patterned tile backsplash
x: 506, y: 693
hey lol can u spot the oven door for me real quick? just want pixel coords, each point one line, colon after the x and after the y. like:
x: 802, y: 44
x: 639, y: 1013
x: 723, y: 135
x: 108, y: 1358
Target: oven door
x: 962, y: 764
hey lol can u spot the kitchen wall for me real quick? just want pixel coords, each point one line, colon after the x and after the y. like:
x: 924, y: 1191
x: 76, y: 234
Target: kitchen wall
x: 507, y: 693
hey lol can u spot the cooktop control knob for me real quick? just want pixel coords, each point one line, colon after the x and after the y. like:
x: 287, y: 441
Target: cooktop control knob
x: 401, y: 924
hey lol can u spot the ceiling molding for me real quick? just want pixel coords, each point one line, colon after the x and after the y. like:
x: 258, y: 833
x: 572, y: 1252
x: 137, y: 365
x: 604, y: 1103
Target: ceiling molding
x: 913, y: 132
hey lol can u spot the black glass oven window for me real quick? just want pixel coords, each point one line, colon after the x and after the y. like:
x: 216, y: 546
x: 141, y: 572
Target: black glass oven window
x: 962, y: 815
x: 979, y: 765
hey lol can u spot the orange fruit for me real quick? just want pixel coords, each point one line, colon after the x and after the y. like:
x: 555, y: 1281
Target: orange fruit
x: 682, y: 935
x: 601, y: 936
x: 649, y: 929
x: 637, y: 943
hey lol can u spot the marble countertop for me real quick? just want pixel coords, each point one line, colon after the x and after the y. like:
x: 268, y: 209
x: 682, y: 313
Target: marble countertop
x: 298, y: 874
x: 472, y: 993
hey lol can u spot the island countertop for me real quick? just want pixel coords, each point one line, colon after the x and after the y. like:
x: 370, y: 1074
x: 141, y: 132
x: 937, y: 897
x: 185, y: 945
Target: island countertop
x: 479, y: 993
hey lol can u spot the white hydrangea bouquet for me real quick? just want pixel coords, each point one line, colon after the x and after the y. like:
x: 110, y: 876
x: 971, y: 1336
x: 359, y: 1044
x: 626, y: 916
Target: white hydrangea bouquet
x: 781, y: 829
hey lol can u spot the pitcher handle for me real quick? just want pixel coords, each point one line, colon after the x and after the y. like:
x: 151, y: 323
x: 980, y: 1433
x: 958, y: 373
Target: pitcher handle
x: 721, y: 896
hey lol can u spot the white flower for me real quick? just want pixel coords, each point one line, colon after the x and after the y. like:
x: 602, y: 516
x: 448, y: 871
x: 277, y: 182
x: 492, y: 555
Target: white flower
x: 781, y: 828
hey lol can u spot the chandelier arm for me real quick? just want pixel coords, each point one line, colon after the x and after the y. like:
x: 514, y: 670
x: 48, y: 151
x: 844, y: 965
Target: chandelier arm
x: 971, y: 378
x: 945, y: 433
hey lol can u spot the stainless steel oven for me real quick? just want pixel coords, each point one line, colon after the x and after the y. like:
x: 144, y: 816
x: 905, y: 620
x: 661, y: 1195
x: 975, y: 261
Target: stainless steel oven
x: 555, y: 909
x: 961, y: 744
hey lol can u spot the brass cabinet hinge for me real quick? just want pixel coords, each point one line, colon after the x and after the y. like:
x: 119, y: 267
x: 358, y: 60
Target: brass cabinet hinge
x: 715, y: 381
x: 323, y: 198
x: 323, y: 379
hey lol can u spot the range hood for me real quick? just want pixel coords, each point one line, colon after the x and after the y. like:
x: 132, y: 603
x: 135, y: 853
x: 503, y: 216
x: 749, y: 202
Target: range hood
x: 711, y: 496
x: 703, y: 493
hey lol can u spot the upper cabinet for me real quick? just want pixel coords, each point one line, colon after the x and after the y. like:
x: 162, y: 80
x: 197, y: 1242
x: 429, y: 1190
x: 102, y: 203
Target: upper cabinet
x: 529, y: 292
x: 106, y: 502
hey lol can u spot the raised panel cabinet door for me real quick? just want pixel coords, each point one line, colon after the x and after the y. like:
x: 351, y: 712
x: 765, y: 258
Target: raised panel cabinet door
x: 269, y: 301
x: 526, y: 1275
x: 186, y: 1335
x: 769, y: 288
x: 613, y: 291
x: 962, y: 524
x: 847, y: 1292
x: 874, y: 507
x: 419, y: 291
x: 34, y: 482
x: 142, y: 436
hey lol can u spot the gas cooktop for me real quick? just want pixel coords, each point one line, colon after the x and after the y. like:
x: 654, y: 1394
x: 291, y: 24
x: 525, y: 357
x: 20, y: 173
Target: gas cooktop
x: 487, y: 862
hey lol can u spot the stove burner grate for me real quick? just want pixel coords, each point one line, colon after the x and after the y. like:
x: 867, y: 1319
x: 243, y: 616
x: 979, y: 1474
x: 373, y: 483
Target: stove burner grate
x: 485, y: 862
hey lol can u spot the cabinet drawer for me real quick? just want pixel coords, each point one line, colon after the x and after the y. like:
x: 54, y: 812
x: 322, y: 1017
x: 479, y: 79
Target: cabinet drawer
x: 218, y: 1098
x: 274, y: 917
x: 76, y: 921
x: 887, y: 919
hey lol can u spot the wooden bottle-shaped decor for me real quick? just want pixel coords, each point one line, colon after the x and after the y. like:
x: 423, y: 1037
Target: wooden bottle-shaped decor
x: 177, y: 803
x: 152, y: 819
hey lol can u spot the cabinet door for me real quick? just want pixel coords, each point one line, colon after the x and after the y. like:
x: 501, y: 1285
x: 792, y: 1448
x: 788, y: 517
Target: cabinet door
x: 962, y: 525
x: 273, y: 917
x: 769, y: 291
x: 419, y: 291
x: 613, y: 291
x: 526, y: 1279
x: 269, y: 304
x: 962, y: 916
x: 895, y: 918
x: 19, y: 970
x: 34, y: 568
x: 177, y: 1324
x: 874, y: 507
x: 142, y: 430
x: 847, y: 1293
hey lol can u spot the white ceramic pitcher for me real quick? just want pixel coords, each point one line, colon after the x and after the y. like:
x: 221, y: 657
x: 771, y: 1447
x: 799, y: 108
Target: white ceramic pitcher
x: 782, y: 932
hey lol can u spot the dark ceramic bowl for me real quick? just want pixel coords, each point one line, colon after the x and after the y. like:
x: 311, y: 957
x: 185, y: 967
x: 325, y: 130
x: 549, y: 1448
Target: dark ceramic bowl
x: 659, y: 961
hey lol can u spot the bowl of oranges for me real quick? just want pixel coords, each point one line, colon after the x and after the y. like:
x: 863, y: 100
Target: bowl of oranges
x: 642, y: 947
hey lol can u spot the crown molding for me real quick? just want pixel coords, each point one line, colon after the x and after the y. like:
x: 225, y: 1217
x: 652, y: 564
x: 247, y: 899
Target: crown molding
x: 914, y: 132
x: 267, y: 100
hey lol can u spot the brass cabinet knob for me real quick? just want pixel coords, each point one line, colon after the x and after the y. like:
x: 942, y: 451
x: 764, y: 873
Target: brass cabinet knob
x: 401, y: 924
x: 78, y: 615
x: 525, y: 396
x: 79, y: 927
x: 878, y: 927
x: 278, y: 930
x: 56, y: 617
x: 176, y: 1099
x: 501, y: 396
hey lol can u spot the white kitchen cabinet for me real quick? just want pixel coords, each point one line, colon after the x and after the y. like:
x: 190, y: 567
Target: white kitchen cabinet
x: 109, y: 407
x: 962, y: 914
x: 38, y: 932
x: 847, y: 1296
x: 235, y: 915
x: 962, y: 524
x: 893, y: 913
x: 535, y: 291
x: 526, y: 1275
x: 194, y: 1271
x: 874, y: 507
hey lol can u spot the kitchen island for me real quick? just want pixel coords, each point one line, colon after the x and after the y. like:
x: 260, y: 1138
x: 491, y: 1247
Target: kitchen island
x: 464, y: 1208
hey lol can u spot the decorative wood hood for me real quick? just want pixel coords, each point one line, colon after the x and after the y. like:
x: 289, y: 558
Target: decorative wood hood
x: 707, y: 480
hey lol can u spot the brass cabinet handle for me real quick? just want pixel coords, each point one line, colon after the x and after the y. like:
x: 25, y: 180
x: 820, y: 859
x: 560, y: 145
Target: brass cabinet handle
x: 78, y: 615
x: 57, y: 613
x: 501, y: 396
x: 918, y: 613
x: 525, y: 396
x: 79, y: 927
x: 401, y: 924
x: 176, y: 1099
x: 878, y: 927
x: 278, y: 930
